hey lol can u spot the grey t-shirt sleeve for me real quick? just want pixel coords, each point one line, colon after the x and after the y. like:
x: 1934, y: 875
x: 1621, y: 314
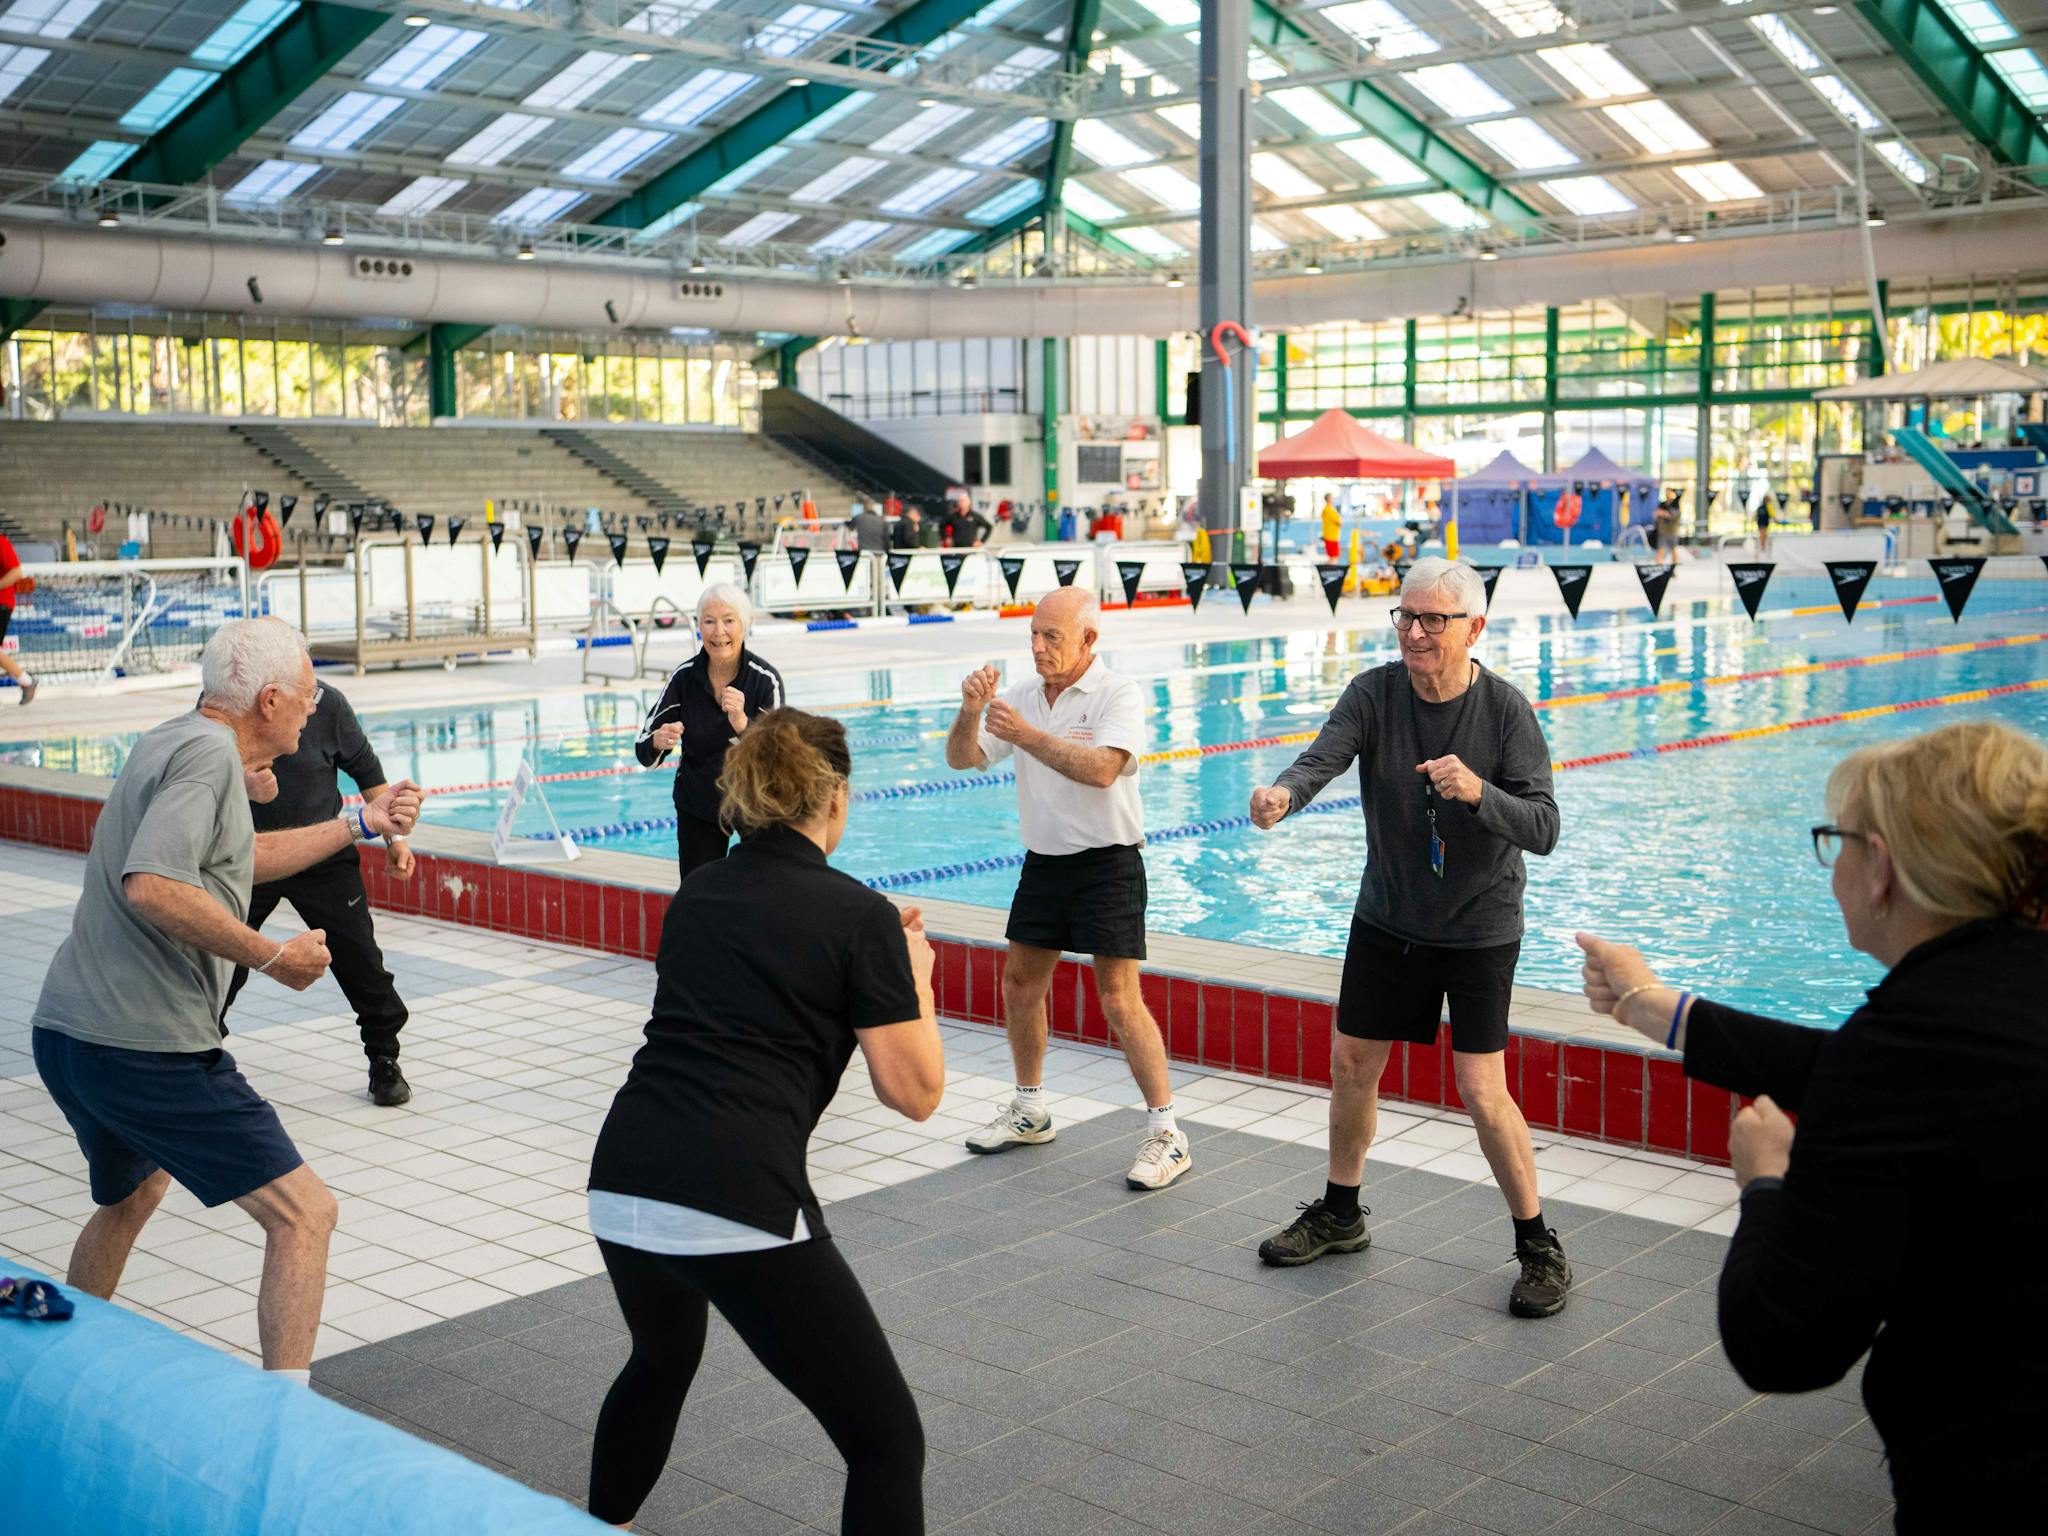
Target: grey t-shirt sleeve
x: 1344, y: 738
x: 353, y: 753
x: 177, y: 833
x: 1519, y: 805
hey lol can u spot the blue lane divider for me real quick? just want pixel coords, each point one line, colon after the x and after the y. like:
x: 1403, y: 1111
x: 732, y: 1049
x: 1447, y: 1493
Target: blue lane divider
x: 812, y: 626
x: 865, y: 797
x: 931, y: 618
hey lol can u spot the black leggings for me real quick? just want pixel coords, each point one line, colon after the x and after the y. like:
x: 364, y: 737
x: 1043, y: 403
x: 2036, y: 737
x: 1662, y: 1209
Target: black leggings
x: 699, y: 842
x: 805, y: 1317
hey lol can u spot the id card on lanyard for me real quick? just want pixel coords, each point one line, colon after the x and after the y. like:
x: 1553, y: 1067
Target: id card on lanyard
x: 1429, y: 796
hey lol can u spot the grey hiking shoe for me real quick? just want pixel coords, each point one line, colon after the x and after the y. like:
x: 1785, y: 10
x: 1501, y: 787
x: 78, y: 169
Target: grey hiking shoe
x: 1546, y: 1280
x: 1314, y: 1233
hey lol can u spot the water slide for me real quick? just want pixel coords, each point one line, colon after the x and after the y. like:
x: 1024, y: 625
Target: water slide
x: 1938, y: 464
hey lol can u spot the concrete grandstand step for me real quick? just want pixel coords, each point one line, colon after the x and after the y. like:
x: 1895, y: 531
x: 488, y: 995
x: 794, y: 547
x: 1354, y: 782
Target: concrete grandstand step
x: 280, y: 445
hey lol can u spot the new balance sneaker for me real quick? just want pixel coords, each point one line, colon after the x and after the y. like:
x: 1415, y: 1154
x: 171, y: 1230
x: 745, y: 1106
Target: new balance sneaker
x: 1162, y: 1158
x: 28, y: 690
x: 1546, y: 1280
x: 1314, y: 1233
x: 1015, y: 1126
x: 388, y: 1087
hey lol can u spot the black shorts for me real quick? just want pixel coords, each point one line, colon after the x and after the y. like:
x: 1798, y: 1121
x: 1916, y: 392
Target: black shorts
x: 6, y: 618
x: 189, y: 1113
x: 1395, y: 990
x: 1087, y: 903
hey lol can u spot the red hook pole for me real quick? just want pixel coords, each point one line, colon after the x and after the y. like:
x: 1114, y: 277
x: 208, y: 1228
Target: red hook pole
x: 1230, y: 328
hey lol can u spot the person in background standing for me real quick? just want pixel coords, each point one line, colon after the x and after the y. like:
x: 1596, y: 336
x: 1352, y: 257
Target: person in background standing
x: 1667, y: 533
x: 1763, y: 526
x: 12, y: 575
x: 908, y: 531
x: 1333, y: 529
x: 870, y: 529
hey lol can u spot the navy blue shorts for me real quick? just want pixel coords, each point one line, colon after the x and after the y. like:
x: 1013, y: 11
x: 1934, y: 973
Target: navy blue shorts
x: 191, y: 1114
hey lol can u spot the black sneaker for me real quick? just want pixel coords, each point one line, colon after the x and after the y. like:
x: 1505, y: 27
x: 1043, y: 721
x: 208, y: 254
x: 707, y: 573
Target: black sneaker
x: 1314, y: 1233
x: 388, y: 1087
x: 1546, y: 1279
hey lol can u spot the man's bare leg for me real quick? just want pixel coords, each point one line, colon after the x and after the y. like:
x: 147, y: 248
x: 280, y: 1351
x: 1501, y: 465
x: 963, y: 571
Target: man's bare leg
x: 1136, y: 1031
x: 1027, y: 980
x: 104, y: 1243
x: 297, y: 1214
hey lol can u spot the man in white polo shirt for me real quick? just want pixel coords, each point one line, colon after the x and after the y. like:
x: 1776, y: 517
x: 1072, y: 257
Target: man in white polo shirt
x: 1076, y: 729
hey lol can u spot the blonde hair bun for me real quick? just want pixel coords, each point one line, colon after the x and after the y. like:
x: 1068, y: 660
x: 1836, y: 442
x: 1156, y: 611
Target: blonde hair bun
x: 785, y: 768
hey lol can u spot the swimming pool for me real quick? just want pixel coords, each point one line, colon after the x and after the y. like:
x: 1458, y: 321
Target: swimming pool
x: 1694, y: 846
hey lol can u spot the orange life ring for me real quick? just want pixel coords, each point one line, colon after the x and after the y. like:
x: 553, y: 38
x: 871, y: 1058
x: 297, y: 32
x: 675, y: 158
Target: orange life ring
x: 96, y: 519
x: 257, y: 538
x: 1567, y: 513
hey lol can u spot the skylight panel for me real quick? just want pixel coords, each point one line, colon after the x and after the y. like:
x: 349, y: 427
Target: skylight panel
x: 929, y: 190
x: 1901, y: 158
x: 1450, y: 210
x: 164, y: 101
x: 616, y: 153
x: 1657, y: 128
x: 97, y: 163
x: 740, y: 175
x: 1457, y: 90
x: 1384, y: 163
x: 1852, y: 108
x: 1010, y: 143
x: 17, y: 64
x: 346, y: 121
x: 47, y: 18
x: 1089, y: 203
x: 927, y: 125
x: 1016, y: 69
x: 423, y: 194
x: 1523, y: 144
x: 1525, y: 18
x: 1379, y: 23
x: 1174, y: 13
x: 1592, y: 70
x: 795, y: 28
x: 831, y: 117
x: 500, y: 137
x: 1282, y: 178
x: 762, y: 226
x: 1718, y: 181
x: 697, y: 97
x: 2021, y: 69
x: 579, y: 80
x: 242, y: 31
x: 1788, y: 44
x: 1005, y: 203
x: 1167, y: 186
x: 543, y: 205
x: 682, y: 213
x: 851, y: 237
x: 425, y: 56
x: 843, y: 177
x: 1313, y: 110
x: 669, y: 18
x: 931, y: 246
x: 1588, y: 194
x: 269, y: 184
x: 1149, y: 242
x: 1982, y: 22
x: 1346, y: 221
x: 1261, y: 65
x: 1105, y: 146
x: 1185, y: 117
x: 1263, y: 239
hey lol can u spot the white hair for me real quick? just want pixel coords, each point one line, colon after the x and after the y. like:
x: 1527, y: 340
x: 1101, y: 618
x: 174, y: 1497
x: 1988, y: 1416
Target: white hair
x: 732, y: 597
x: 246, y: 656
x: 1433, y: 571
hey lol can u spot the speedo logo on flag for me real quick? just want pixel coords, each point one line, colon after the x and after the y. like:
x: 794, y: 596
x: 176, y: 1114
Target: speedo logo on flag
x: 1843, y: 578
x: 1747, y: 577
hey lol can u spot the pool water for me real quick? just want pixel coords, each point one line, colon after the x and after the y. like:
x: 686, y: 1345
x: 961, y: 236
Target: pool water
x: 1701, y: 856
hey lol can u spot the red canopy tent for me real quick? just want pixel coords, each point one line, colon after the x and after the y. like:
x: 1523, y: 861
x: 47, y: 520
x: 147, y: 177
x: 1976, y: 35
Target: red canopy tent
x: 1336, y: 447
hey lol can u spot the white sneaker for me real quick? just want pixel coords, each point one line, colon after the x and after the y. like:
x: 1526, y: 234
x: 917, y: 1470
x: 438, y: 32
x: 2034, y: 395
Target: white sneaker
x: 1162, y: 1158
x: 1015, y: 1126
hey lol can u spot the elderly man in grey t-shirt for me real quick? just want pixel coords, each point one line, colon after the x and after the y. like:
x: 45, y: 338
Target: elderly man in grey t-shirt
x: 127, y: 1032
x: 1455, y: 776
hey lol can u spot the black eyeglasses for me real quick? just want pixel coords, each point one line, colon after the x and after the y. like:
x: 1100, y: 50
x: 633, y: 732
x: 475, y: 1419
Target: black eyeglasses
x: 1827, y: 843
x: 1406, y: 619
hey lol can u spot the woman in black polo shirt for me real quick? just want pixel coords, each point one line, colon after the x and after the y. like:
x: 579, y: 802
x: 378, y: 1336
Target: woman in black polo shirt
x: 706, y: 704
x: 773, y: 966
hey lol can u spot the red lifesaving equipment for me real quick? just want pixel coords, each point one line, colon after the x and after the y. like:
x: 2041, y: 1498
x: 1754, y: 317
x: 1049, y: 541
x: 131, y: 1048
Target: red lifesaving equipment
x: 1567, y: 513
x: 256, y: 538
x: 96, y: 520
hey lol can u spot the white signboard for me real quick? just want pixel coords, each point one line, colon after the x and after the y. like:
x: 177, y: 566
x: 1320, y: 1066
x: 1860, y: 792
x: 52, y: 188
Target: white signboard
x: 508, y: 846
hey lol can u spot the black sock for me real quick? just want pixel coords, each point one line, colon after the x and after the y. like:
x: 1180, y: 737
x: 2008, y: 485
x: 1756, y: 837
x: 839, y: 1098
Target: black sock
x: 1531, y: 1230
x: 1341, y: 1201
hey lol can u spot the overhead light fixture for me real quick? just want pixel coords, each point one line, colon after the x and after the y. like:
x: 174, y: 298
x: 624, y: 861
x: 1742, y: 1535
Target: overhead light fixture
x: 967, y: 279
x: 1875, y: 218
x: 417, y: 20
x: 640, y: 56
x: 1663, y: 230
x: 333, y: 236
x: 1684, y: 237
x: 798, y: 82
x: 927, y: 101
x: 697, y: 267
x: 1175, y: 280
x: 1825, y: 10
x: 845, y: 278
x: 109, y: 219
x: 525, y: 251
x: 1314, y: 267
x: 1488, y: 253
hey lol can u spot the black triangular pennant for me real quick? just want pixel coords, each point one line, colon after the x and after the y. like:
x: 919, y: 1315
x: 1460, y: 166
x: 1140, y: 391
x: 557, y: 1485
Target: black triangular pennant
x: 426, y: 527
x: 571, y: 537
x: 1572, y: 581
x: 320, y: 504
x: 1247, y: 579
x: 1064, y: 570
x: 533, y: 541
x: 1130, y: 573
x: 1751, y: 577
x: 455, y: 527
x: 899, y: 562
x: 1332, y: 577
x: 1197, y: 578
x: 701, y: 545
x: 355, y: 520
x: 1489, y: 576
x: 1850, y: 577
x: 1957, y: 577
x: 1012, y: 567
x: 618, y: 544
x: 261, y: 499
x: 749, y: 553
x: 950, y: 564
x: 657, y: 549
x: 849, y: 562
x: 799, y: 557
x: 645, y: 523
x: 1655, y: 578
x: 497, y: 532
x: 286, y: 506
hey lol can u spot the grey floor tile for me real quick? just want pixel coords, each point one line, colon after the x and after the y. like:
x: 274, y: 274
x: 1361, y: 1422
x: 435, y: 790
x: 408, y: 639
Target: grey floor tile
x: 1664, y: 1506
x: 1532, y: 1418
x: 1411, y: 1475
x: 1506, y: 1507
x: 1473, y: 1446
x: 1817, y: 1502
x: 1351, y: 1509
x: 1565, y: 1475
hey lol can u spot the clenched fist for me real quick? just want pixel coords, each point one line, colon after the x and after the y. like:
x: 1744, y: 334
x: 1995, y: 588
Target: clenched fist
x: 979, y: 688
x: 1269, y: 806
x: 665, y: 737
x: 734, y: 703
x: 302, y: 961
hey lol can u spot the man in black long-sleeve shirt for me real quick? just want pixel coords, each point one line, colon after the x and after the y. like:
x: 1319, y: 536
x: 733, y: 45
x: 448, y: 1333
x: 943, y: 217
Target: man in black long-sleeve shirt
x: 330, y: 894
x: 1455, y: 776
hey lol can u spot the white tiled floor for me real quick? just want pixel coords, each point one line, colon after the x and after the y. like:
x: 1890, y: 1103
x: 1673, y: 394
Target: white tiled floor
x: 474, y: 1192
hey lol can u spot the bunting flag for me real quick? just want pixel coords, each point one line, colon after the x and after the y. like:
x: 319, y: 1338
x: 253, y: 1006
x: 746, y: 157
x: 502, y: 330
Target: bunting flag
x: 1012, y: 567
x: 262, y: 500
x: 355, y: 520
x: 799, y: 557
x: 455, y: 527
x: 571, y: 537
x: 1572, y: 581
x: 1332, y: 578
x: 749, y: 553
x: 1064, y: 570
x: 1751, y: 578
x: 1958, y: 577
x: 1850, y: 578
x: 497, y: 531
x: 1197, y: 578
x: 657, y: 549
x: 701, y: 545
x: 397, y: 519
x: 320, y: 505
x: 645, y: 523
x: 1489, y: 576
x: 286, y: 506
x: 849, y: 562
x: 533, y: 541
x: 618, y: 544
x: 1130, y: 573
x: 950, y: 563
x: 1655, y: 578
x: 1247, y: 579
x: 899, y: 562
x: 426, y: 527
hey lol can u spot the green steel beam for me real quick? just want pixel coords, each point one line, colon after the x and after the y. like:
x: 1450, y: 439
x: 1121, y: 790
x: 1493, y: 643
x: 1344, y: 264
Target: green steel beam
x: 1550, y: 327
x: 772, y: 122
x: 785, y: 359
x: 1956, y: 73
x: 1074, y: 58
x: 1049, y: 410
x: 1401, y: 128
x: 442, y: 343
x: 251, y: 91
x: 16, y: 313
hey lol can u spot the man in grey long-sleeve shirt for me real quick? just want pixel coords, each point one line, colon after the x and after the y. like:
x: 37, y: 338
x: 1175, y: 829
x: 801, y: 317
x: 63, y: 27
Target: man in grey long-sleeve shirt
x: 1455, y: 776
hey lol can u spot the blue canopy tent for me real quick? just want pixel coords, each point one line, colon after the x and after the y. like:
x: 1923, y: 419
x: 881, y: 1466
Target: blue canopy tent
x: 1489, y: 500
x: 1611, y: 497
